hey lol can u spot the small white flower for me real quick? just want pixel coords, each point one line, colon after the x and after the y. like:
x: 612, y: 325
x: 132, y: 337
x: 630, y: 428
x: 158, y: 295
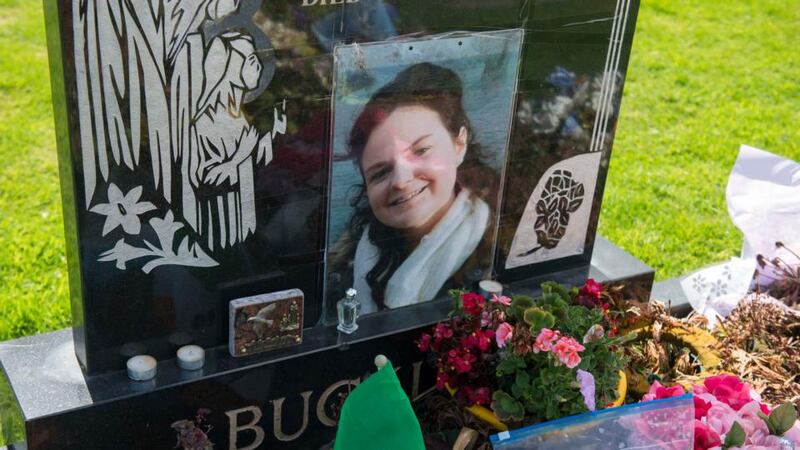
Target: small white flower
x: 123, y: 210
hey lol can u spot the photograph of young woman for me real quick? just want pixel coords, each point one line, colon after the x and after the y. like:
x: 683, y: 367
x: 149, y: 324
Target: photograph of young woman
x: 424, y: 211
x: 420, y: 132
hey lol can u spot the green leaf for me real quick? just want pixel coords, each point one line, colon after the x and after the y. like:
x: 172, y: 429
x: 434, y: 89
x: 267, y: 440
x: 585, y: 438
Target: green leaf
x: 766, y: 420
x: 735, y: 437
x: 538, y: 318
x: 519, y: 303
x: 509, y: 365
x: 782, y: 418
x: 506, y: 407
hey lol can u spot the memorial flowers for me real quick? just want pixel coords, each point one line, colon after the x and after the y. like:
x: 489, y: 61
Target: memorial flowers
x: 729, y: 414
x: 528, y: 359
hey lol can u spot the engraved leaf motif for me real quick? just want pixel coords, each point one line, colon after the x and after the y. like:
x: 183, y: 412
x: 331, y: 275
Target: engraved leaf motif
x: 561, y: 196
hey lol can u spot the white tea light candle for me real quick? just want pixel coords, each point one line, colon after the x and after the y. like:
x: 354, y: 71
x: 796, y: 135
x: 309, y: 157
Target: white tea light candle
x: 141, y: 368
x: 191, y: 357
x: 487, y: 288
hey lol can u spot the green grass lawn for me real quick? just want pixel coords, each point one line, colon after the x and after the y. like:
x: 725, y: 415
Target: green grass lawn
x: 704, y: 78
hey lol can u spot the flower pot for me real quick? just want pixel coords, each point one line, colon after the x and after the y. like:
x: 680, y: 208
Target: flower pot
x: 488, y: 417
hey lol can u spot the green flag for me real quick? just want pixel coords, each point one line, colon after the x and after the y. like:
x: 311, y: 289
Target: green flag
x: 378, y: 415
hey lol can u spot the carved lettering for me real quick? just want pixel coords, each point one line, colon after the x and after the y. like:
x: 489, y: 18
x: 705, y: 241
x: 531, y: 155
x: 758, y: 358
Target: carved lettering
x: 321, y: 414
x: 336, y: 2
x: 310, y: 2
x: 277, y: 420
x: 235, y: 428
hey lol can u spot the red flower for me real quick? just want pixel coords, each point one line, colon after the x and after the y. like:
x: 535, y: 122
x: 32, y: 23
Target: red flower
x: 480, y: 396
x: 705, y: 437
x: 473, y: 303
x: 701, y: 407
x: 764, y: 408
x: 461, y: 362
x: 424, y: 342
x: 441, y: 379
x: 483, y: 339
x: 591, y: 289
x: 442, y: 331
x: 727, y: 389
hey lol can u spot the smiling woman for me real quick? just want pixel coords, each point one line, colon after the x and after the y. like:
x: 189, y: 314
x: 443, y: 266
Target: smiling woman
x: 423, y: 213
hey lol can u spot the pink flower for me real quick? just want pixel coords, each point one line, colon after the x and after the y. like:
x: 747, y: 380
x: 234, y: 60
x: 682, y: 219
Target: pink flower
x: 705, y: 437
x: 720, y: 417
x: 503, y: 334
x: 657, y: 392
x: 700, y: 407
x: 567, y: 350
x: 473, y: 303
x: 749, y: 419
x: 544, y: 342
x: 726, y: 388
x: 486, y: 319
x: 793, y: 435
x: 586, y: 382
x: 501, y: 299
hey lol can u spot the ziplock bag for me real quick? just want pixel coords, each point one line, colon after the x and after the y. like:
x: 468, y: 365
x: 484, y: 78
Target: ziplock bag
x: 666, y: 424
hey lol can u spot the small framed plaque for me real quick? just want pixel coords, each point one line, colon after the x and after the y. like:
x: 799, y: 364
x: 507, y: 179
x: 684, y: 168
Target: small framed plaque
x: 266, y: 322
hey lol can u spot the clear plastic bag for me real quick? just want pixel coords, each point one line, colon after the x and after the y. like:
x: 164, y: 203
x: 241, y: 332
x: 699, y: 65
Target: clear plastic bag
x: 666, y: 424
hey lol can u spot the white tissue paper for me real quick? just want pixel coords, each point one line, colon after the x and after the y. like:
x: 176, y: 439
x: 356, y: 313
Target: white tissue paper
x: 763, y: 197
x: 715, y: 291
x: 764, y: 203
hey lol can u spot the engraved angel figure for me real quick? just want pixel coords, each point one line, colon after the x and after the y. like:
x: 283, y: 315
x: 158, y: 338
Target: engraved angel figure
x: 219, y: 196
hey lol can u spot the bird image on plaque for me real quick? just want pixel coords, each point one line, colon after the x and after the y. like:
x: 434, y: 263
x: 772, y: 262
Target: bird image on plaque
x: 265, y: 322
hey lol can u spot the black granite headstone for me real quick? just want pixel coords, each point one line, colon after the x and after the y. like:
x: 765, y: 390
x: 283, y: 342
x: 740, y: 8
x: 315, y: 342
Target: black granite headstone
x: 195, y: 146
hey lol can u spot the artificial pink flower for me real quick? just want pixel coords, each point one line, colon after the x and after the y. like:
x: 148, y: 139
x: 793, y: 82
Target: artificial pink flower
x: 749, y: 419
x: 720, y: 417
x: 701, y: 407
x: 567, y: 350
x: 501, y: 299
x: 503, y: 334
x: 586, y: 382
x: 793, y: 435
x: 726, y: 388
x: 545, y: 339
x: 473, y: 303
x: 657, y: 392
x: 705, y: 437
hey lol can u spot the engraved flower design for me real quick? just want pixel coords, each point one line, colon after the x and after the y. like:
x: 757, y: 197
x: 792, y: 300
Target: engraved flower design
x: 123, y: 210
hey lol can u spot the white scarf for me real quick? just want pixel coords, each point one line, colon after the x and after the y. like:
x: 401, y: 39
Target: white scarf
x: 436, y: 258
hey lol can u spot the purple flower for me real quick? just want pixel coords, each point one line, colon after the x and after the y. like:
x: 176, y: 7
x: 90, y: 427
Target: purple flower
x: 586, y: 381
